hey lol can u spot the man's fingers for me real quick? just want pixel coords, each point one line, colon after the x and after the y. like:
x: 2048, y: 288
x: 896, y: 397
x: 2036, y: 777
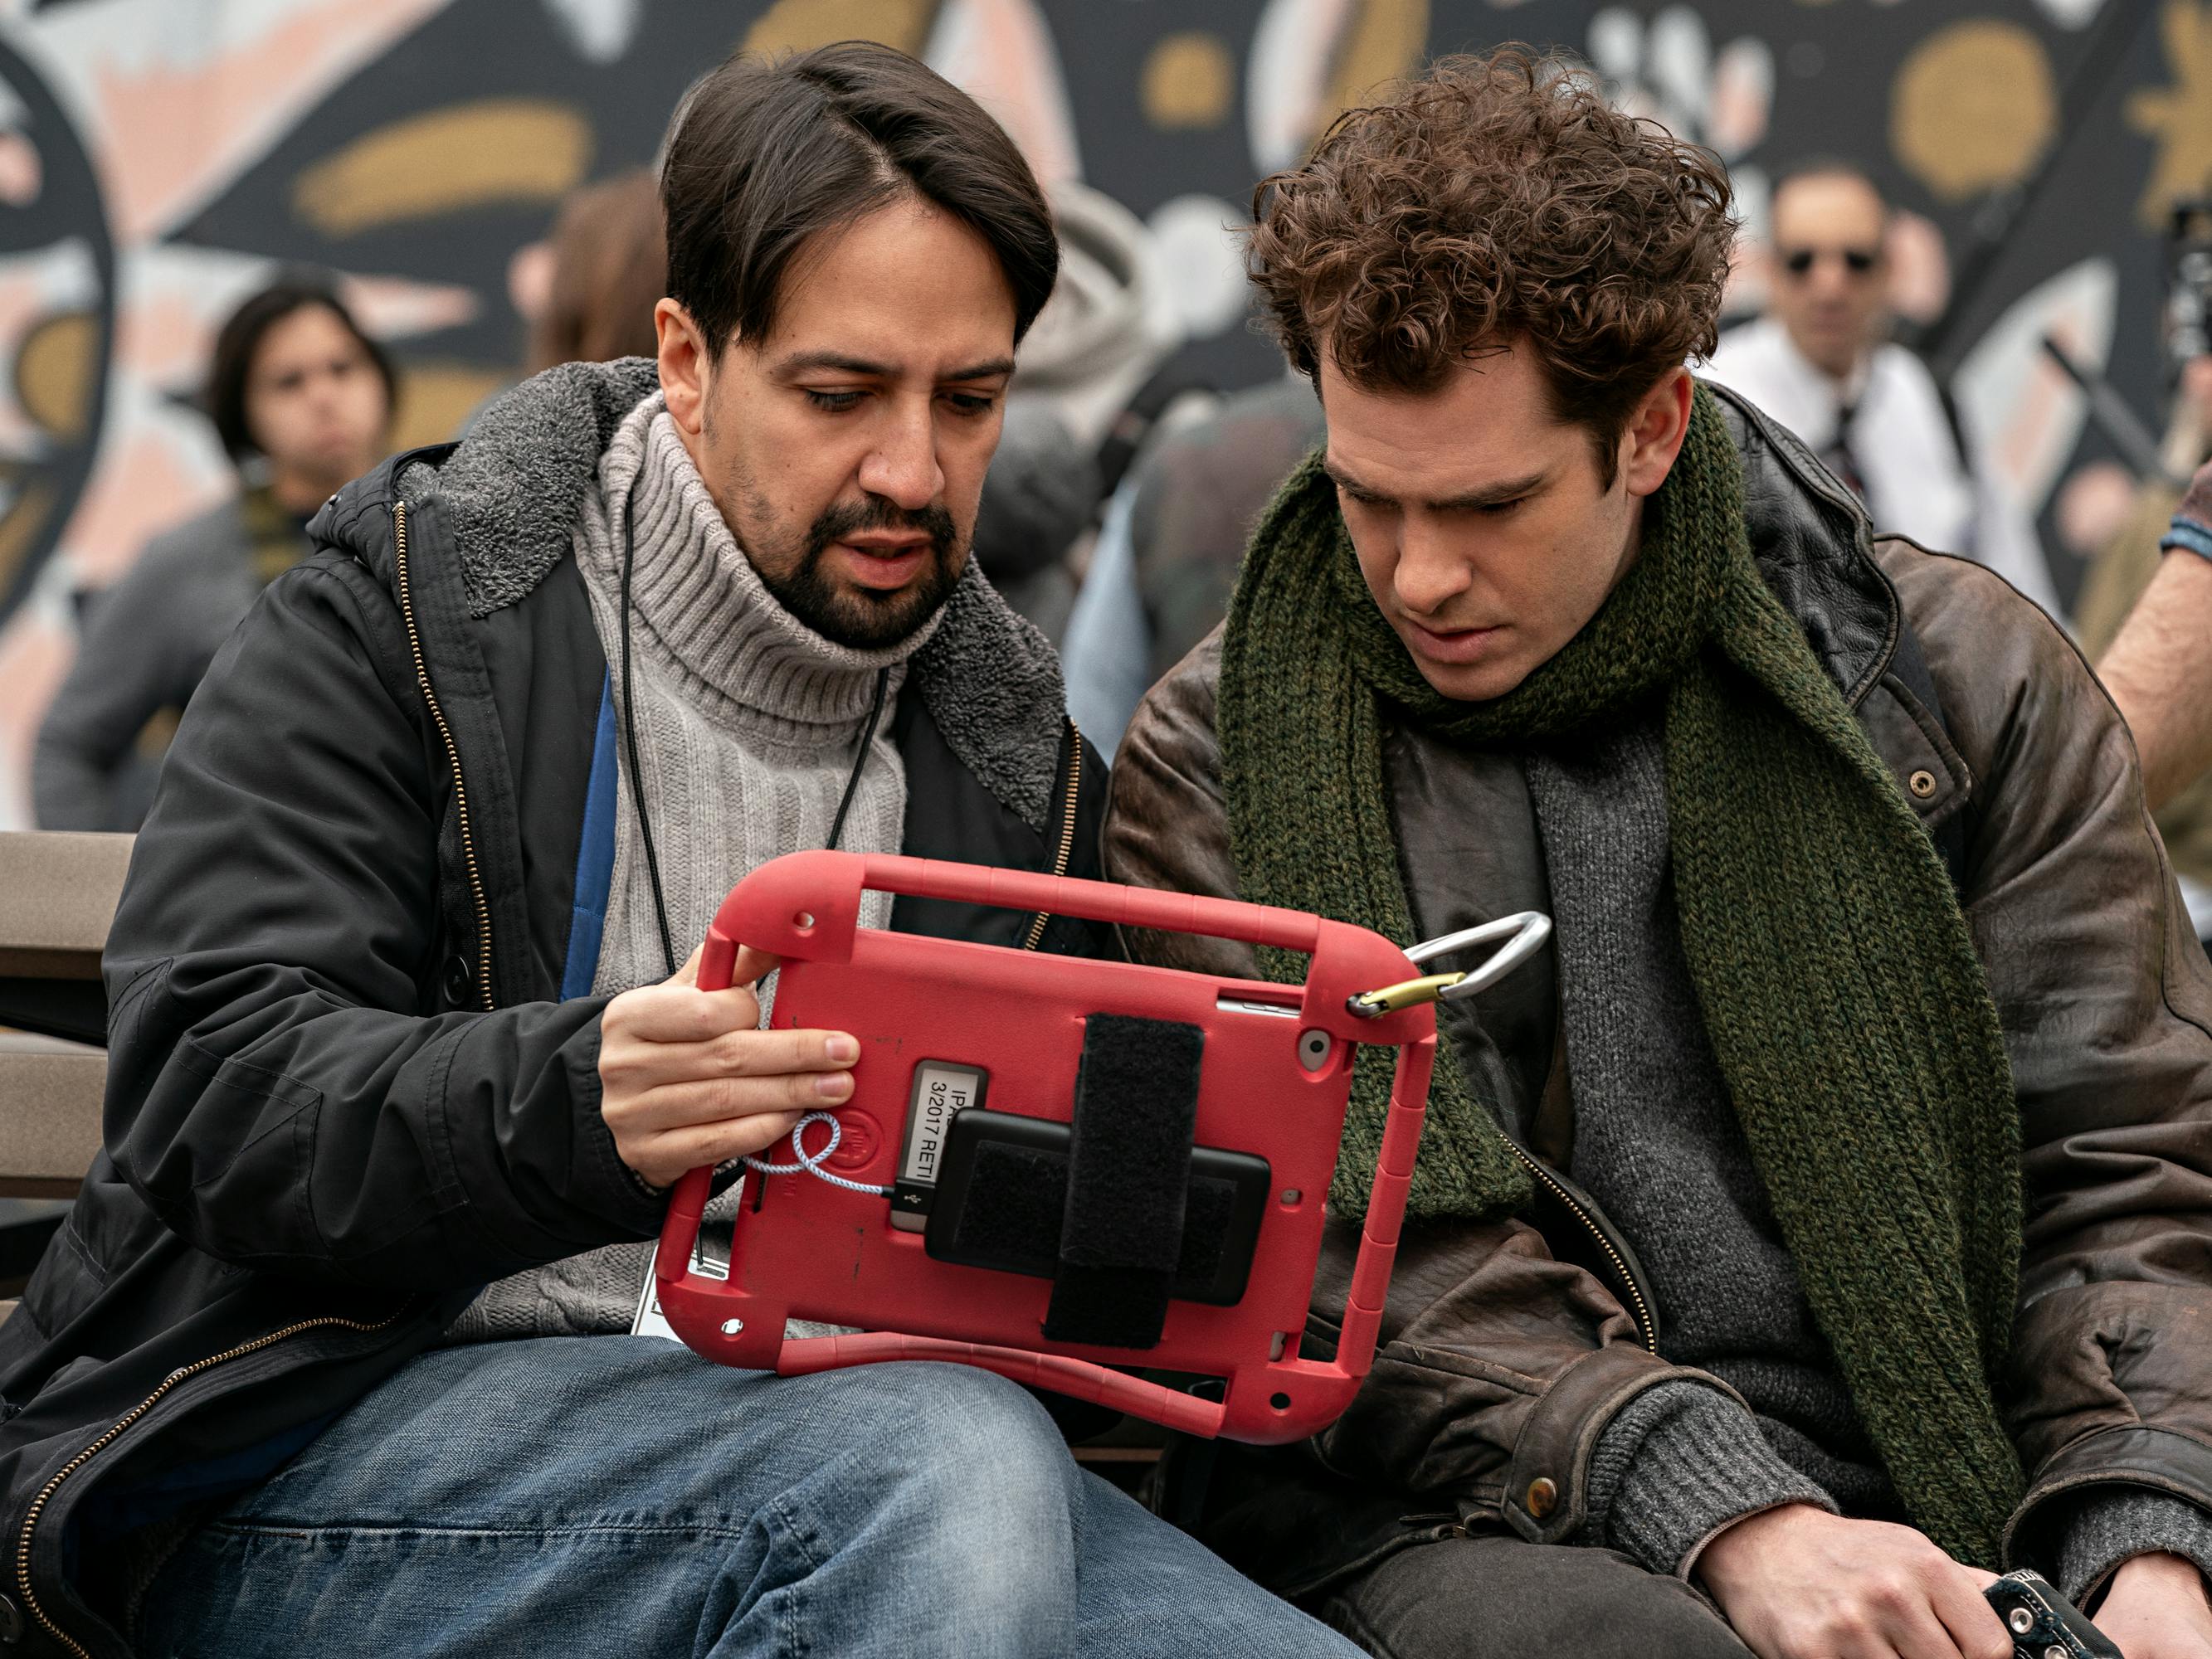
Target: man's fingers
x: 747, y: 1052
x: 721, y: 1100
x: 665, y: 1159
x: 671, y: 1013
x: 689, y: 973
x: 1973, y: 1625
x: 771, y: 1053
x: 689, y: 1078
x: 752, y: 966
x: 1921, y: 1635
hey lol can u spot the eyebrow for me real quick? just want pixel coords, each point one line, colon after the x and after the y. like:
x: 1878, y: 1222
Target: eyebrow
x: 1489, y: 495
x: 805, y: 362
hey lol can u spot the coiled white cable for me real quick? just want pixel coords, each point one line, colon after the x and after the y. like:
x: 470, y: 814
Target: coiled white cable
x: 811, y: 1163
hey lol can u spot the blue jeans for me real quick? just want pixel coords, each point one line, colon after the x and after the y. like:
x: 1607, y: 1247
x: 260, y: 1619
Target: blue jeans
x: 612, y: 1495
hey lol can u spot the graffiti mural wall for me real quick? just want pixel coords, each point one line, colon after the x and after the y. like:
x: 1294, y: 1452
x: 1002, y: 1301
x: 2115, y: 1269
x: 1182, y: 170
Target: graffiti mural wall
x: 158, y: 158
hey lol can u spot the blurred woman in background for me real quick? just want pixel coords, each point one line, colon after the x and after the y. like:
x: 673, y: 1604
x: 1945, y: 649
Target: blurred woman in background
x: 301, y: 399
x: 610, y: 268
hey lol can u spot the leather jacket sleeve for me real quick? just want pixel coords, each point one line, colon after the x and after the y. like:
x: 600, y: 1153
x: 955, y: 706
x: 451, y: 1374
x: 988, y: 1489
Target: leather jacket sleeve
x: 2107, y: 1001
x: 281, y: 1091
x: 1498, y: 1366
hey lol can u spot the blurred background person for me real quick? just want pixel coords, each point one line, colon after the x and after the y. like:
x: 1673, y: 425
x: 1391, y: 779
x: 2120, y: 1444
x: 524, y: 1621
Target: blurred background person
x: 2159, y: 669
x: 1040, y: 501
x: 1821, y: 362
x: 300, y: 397
x: 610, y: 268
x: 2155, y: 677
x: 1081, y: 369
x: 1173, y: 536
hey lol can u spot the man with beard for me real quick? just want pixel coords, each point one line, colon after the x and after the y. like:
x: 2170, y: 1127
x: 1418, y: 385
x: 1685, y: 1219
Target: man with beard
x: 334, y: 1356
x: 1827, y: 1222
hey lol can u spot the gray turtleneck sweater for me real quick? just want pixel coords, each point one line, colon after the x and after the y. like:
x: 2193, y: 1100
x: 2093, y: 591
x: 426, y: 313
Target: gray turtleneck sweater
x: 747, y: 725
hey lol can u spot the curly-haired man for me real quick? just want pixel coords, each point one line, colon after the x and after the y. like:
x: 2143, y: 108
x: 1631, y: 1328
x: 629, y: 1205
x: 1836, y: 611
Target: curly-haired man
x: 1831, y: 1221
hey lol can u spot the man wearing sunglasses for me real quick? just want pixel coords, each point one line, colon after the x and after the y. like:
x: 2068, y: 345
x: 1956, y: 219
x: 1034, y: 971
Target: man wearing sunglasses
x: 1821, y: 363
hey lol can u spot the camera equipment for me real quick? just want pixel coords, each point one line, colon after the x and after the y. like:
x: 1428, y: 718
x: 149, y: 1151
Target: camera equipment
x: 2042, y: 1623
x: 2188, y: 283
x: 1063, y: 1169
x: 2109, y: 412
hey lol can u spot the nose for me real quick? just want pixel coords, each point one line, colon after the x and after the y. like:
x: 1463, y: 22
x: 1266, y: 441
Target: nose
x: 901, y: 466
x: 323, y: 389
x: 1831, y: 282
x: 1433, y: 569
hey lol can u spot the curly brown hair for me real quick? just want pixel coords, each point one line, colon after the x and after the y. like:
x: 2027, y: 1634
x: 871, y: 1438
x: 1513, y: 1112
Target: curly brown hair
x: 1499, y: 201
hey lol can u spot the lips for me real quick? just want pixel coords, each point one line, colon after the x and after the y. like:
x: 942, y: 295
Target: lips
x: 885, y: 566
x: 1454, y: 646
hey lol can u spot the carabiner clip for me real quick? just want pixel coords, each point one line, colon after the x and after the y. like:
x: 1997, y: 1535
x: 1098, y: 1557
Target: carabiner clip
x: 1529, y: 929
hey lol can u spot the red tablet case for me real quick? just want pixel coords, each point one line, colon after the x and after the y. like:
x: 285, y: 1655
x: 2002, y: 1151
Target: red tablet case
x: 812, y: 1250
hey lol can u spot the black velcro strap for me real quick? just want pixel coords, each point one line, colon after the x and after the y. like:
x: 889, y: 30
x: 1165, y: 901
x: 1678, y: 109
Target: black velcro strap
x: 1012, y: 1198
x: 1012, y: 1210
x: 1121, y: 1239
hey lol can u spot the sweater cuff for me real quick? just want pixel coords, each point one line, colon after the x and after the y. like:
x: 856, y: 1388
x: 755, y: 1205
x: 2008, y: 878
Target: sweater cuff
x: 2112, y: 1524
x: 1679, y: 1462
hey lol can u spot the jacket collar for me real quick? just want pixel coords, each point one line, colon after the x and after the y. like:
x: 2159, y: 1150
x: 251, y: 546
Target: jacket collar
x: 1814, y: 546
x: 513, y: 488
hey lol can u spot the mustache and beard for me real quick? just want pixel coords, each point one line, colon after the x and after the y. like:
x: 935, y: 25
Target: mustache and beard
x: 865, y: 619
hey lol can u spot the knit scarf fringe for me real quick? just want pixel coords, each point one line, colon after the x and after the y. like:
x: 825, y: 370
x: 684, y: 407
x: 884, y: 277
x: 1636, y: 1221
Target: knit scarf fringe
x: 1840, y: 986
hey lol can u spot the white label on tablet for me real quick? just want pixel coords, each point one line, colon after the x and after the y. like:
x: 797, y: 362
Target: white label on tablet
x: 941, y: 1089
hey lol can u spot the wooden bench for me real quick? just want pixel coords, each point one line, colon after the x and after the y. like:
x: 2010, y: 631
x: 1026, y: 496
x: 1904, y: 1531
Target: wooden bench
x: 58, y: 894
x: 56, y: 899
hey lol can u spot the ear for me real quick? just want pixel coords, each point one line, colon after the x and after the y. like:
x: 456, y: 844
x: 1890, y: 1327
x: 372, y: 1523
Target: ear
x: 1653, y: 435
x: 686, y: 365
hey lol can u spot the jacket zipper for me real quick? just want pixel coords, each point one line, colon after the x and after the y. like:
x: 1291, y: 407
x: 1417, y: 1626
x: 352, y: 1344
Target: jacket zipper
x: 181, y: 1374
x: 1067, y: 853
x: 452, y: 756
x: 1640, y: 1310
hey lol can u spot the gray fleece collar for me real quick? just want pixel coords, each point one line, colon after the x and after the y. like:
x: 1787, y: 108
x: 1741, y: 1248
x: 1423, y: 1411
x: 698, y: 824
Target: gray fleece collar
x: 514, y: 488
x: 514, y: 491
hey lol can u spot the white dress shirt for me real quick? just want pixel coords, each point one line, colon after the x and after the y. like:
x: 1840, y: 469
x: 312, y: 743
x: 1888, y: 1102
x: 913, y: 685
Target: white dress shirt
x: 1915, y: 482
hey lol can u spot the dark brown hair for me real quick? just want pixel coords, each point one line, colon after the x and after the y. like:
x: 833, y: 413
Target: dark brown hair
x: 239, y: 339
x: 609, y: 270
x: 767, y: 155
x: 1499, y: 201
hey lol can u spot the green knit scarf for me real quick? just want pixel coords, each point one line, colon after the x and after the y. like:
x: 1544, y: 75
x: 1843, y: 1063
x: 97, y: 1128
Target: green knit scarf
x: 1840, y: 990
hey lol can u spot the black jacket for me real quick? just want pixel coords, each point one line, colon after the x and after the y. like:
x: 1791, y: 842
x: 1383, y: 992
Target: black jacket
x: 342, y: 1090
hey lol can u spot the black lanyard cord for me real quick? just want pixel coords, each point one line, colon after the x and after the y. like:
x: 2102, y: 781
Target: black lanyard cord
x: 860, y: 759
x: 637, y: 782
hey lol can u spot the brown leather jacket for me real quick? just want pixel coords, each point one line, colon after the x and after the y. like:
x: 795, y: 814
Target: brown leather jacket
x: 1507, y: 1348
